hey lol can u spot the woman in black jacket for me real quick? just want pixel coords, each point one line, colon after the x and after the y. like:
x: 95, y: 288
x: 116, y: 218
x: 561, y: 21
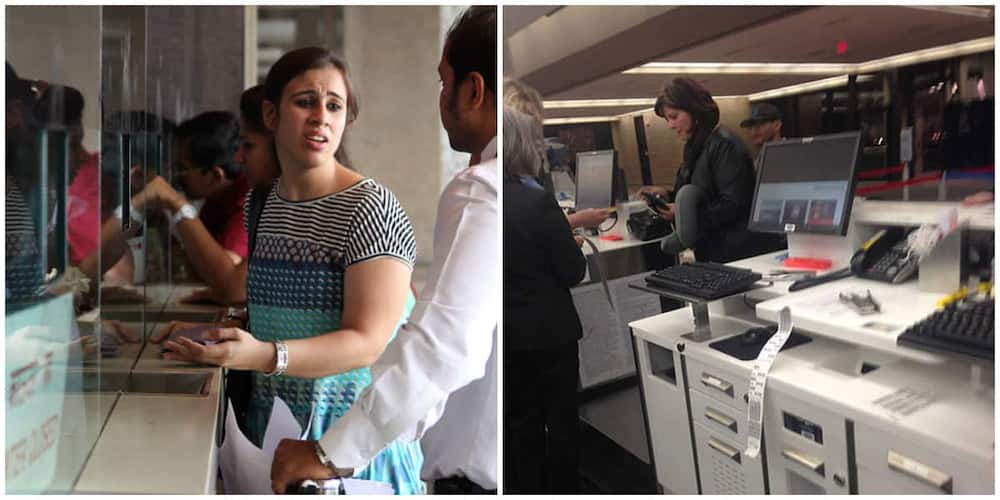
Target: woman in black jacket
x: 718, y: 162
x: 541, y: 328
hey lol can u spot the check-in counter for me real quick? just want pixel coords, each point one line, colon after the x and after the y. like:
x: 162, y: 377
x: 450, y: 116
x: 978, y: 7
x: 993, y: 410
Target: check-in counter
x: 847, y: 412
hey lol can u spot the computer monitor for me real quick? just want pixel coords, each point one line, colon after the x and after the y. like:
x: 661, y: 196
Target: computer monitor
x: 806, y: 185
x: 594, y: 179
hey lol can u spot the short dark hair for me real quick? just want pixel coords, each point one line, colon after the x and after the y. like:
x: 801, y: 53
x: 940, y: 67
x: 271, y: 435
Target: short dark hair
x: 471, y: 45
x: 213, y: 137
x: 252, y: 111
x: 299, y: 61
x: 688, y: 95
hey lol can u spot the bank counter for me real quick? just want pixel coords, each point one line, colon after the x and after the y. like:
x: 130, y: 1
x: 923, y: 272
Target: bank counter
x: 136, y: 424
x: 847, y: 412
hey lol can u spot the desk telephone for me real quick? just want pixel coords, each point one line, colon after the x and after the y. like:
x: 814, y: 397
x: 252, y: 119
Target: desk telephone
x: 884, y: 257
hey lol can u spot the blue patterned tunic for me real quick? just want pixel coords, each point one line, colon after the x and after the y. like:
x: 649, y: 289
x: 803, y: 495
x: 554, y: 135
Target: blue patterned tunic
x: 295, y: 290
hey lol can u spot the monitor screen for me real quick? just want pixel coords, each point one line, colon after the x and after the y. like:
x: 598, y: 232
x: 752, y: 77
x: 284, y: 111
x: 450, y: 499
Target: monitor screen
x: 594, y: 174
x: 806, y: 185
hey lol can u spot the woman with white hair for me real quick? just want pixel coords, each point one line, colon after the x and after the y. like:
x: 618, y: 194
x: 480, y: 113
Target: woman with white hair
x: 541, y: 328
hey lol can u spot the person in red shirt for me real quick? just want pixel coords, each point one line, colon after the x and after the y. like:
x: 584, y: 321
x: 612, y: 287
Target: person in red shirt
x: 214, y: 238
x: 206, y: 147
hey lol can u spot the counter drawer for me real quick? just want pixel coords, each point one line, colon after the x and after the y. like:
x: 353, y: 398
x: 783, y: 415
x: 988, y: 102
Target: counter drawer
x: 722, y: 418
x: 719, y: 384
x: 723, y: 468
x: 889, y: 463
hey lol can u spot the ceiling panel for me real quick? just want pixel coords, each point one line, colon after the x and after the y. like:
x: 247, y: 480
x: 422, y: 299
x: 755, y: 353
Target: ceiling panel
x: 516, y: 17
x: 871, y: 32
x: 577, y: 44
x: 757, y: 34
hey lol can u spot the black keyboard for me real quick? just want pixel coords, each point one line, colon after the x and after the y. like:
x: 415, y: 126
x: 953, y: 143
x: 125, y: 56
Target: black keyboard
x: 704, y: 280
x: 964, y: 326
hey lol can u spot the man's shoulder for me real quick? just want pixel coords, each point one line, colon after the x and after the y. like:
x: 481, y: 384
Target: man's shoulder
x: 481, y: 176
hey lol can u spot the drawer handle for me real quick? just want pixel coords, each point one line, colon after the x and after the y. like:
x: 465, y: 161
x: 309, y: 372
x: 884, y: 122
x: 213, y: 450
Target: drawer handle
x: 730, y: 452
x: 812, y: 463
x: 720, y: 419
x: 717, y: 384
x: 919, y: 471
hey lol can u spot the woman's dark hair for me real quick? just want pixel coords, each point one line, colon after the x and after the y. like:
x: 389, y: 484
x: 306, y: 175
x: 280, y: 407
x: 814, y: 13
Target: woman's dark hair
x: 213, y: 138
x: 252, y: 111
x: 471, y: 45
x: 301, y: 60
x: 688, y: 95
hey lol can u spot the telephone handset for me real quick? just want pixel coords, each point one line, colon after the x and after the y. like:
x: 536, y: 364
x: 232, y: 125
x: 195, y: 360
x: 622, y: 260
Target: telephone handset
x: 886, y: 257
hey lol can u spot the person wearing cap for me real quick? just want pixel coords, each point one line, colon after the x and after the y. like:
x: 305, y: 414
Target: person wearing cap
x: 765, y: 126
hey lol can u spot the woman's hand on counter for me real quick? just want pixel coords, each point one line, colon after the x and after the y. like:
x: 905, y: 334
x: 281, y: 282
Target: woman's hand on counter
x: 174, y: 326
x: 232, y: 348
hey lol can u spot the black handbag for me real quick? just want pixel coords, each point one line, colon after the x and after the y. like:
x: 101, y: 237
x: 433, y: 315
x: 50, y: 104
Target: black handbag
x: 648, y: 226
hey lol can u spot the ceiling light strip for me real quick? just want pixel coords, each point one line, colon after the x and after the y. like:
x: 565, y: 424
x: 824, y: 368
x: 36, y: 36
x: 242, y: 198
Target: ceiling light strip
x: 824, y: 84
x: 658, y: 68
x: 582, y: 119
x: 927, y: 55
x: 598, y: 103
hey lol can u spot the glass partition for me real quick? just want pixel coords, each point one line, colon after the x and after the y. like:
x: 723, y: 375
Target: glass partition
x: 53, y: 336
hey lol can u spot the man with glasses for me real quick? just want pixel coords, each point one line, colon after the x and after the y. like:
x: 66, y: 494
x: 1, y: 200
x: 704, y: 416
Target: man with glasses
x: 214, y: 237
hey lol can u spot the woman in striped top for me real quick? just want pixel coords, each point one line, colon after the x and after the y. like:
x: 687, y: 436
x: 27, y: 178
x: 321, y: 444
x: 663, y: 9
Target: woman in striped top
x: 330, y: 269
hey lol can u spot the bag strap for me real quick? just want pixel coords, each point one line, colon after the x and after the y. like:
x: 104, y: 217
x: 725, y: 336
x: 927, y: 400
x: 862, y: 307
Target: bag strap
x: 258, y: 197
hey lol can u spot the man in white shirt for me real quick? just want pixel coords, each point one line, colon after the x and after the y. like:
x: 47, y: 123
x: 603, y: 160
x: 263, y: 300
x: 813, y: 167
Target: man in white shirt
x: 437, y: 380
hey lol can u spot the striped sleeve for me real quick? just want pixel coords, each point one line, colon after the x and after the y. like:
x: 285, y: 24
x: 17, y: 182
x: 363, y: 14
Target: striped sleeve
x: 380, y: 228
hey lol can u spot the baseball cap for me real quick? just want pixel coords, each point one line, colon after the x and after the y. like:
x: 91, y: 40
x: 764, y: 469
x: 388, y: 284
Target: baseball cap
x: 761, y: 112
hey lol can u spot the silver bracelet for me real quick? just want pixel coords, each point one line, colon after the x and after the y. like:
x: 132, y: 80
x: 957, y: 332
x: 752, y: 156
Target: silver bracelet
x: 282, y: 362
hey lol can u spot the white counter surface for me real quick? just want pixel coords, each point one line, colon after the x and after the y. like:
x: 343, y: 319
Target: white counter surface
x: 821, y: 372
x: 157, y: 443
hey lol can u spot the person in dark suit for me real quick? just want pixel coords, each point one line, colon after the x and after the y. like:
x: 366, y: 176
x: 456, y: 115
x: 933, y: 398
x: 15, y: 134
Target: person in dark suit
x: 542, y: 260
